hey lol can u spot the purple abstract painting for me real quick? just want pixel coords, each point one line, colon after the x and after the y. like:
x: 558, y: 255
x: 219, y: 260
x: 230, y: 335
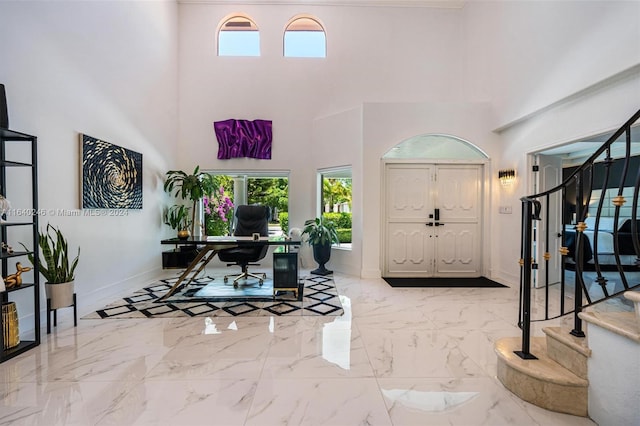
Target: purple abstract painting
x: 244, y: 138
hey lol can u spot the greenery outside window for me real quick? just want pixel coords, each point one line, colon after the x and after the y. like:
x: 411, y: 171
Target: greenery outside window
x: 267, y: 188
x: 336, y: 197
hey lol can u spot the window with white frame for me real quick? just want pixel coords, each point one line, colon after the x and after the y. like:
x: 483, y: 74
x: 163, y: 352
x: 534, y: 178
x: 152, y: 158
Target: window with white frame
x: 267, y: 188
x: 335, y: 200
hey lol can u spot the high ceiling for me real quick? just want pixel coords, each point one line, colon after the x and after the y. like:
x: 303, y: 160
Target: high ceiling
x: 448, y: 4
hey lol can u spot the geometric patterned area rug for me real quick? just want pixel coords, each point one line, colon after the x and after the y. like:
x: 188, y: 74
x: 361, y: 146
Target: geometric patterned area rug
x: 208, y: 296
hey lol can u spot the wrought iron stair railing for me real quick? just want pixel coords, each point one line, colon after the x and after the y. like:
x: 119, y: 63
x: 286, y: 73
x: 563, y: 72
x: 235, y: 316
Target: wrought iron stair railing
x: 599, y: 256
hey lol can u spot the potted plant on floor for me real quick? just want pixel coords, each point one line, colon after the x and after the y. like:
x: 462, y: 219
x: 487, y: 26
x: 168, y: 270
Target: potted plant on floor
x: 321, y: 234
x: 56, y: 267
x: 177, y: 217
x: 192, y: 187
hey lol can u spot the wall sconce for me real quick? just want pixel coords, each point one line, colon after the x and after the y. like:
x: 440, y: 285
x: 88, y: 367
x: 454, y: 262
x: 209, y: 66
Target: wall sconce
x: 507, y: 177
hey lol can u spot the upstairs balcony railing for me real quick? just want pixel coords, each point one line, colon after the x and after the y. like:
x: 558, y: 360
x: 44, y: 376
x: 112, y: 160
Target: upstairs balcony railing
x: 596, y: 208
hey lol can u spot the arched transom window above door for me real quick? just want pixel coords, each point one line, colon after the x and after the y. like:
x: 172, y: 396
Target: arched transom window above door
x: 436, y: 146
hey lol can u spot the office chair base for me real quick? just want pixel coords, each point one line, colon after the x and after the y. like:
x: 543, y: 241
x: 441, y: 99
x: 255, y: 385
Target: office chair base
x: 246, y: 275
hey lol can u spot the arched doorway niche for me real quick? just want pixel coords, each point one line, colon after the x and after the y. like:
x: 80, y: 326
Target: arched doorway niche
x: 436, y: 147
x: 430, y: 181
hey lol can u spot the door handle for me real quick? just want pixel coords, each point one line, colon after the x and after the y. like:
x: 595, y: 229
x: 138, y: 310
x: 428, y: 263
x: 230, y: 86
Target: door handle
x: 429, y: 224
x: 439, y: 224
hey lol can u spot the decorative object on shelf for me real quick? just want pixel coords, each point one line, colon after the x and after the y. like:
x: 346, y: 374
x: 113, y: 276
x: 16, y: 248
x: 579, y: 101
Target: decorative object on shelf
x: 15, y: 280
x: 192, y: 187
x: 111, y: 175
x: 177, y: 217
x: 507, y: 177
x: 6, y: 248
x: 244, y: 138
x: 3, y: 287
x: 321, y: 234
x: 10, y: 329
x: 5, y: 206
x: 220, y: 207
x: 56, y: 267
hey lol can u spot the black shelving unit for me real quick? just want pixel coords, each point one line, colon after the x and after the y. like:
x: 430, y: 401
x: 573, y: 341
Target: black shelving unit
x: 29, y: 219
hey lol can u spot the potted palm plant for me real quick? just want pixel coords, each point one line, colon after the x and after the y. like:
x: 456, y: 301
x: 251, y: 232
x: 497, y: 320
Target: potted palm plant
x: 192, y: 187
x: 56, y: 266
x: 177, y: 217
x: 321, y: 234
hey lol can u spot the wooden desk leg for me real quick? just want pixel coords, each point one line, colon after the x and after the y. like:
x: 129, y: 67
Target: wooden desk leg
x: 203, y: 265
x: 187, y: 271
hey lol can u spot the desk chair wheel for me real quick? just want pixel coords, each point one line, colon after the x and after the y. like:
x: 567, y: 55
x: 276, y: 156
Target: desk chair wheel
x: 226, y: 279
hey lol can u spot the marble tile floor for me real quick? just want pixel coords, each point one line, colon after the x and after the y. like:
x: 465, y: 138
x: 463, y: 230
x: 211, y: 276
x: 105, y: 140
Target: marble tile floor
x: 396, y: 357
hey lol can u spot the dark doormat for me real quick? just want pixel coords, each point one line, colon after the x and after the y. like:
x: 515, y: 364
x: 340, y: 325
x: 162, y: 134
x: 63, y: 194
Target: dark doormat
x: 442, y: 282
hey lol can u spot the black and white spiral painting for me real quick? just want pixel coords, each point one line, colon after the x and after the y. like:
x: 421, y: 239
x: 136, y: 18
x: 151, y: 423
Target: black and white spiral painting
x: 111, y: 175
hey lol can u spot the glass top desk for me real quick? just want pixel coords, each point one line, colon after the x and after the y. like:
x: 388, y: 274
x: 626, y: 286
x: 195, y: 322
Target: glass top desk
x: 208, y: 247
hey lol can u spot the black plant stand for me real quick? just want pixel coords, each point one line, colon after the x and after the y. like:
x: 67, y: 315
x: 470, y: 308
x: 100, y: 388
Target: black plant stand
x: 55, y: 314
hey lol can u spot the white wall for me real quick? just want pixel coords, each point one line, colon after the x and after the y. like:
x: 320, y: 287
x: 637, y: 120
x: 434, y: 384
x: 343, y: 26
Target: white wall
x: 555, y: 72
x: 373, y: 54
x: 107, y: 69
x: 337, y: 141
x: 415, y: 70
x: 144, y: 75
x: 531, y: 54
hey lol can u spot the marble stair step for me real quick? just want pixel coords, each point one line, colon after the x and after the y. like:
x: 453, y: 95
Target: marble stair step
x: 569, y: 351
x: 542, y: 382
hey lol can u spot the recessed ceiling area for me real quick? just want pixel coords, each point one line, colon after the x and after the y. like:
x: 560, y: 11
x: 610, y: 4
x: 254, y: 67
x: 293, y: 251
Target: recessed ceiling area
x: 577, y: 152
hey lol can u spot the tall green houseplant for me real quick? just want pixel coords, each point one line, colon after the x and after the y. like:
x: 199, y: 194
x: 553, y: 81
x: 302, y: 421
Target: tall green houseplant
x: 54, y: 262
x: 321, y: 233
x: 192, y: 187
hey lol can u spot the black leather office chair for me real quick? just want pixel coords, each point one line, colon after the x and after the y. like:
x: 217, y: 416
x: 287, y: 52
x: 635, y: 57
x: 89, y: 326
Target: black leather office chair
x: 249, y: 220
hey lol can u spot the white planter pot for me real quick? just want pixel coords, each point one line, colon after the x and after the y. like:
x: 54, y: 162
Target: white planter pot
x: 61, y: 295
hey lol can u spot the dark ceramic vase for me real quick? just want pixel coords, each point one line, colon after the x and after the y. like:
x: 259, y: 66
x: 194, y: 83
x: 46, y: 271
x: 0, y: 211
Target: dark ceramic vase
x: 322, y: 254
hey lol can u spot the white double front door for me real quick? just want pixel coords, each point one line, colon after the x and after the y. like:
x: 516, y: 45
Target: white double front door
x: 433, y: 220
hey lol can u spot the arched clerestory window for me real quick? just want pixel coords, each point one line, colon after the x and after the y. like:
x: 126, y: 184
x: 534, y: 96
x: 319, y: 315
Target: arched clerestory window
x: 238, y: 36
x: 304, y: 37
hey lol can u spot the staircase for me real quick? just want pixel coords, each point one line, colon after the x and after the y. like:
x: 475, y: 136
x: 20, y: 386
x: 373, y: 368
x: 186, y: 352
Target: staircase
x: 594, y: 370
x: 557, y: 380
x: 595, y: 377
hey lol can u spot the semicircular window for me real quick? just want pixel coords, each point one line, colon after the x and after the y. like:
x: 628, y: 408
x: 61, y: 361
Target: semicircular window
x: 304, y: 37
x: 238, y: 36
x: 435, y: 146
